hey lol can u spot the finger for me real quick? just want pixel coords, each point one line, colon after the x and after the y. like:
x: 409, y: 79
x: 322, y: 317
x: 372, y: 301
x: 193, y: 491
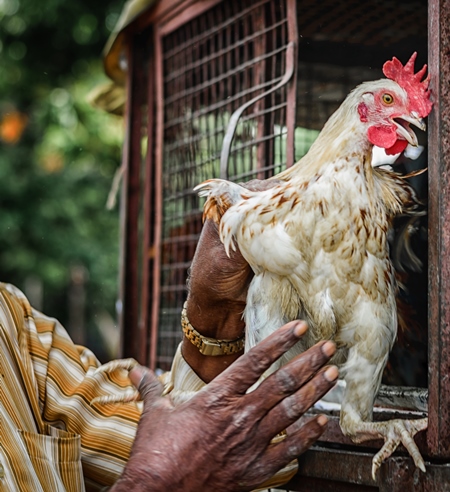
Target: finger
x: 148, y: 386
x: 247, y: 369
x: 289, y: 378
x: 279, y: 455
x: 291, y: 408
x: 136, y: 375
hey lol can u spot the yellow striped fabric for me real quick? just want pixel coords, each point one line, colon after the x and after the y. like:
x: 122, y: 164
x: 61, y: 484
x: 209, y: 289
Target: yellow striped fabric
x: 51, y: 438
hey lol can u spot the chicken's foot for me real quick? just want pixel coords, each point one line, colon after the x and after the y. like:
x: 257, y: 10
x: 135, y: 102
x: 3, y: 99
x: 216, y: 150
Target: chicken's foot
x: 394, y: 432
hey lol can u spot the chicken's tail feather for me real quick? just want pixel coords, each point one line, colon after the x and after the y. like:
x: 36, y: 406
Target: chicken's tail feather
x: 221, y: 196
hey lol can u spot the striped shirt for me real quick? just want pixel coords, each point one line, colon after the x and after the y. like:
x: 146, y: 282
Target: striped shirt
x: 51, y: 438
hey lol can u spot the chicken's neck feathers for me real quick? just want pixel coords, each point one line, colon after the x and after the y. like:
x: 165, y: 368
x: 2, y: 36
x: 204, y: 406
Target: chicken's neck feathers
x: 343, y: 134
x: 343, y: 137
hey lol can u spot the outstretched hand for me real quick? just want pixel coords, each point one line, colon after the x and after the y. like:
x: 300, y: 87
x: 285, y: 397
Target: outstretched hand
x: 220, y: 439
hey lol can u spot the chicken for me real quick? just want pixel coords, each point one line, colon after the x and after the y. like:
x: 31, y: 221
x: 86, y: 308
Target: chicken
x: 317, y: 244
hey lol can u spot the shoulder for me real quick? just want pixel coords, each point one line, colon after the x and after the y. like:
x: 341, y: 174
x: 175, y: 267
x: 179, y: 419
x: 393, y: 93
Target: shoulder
x: 14, y: 308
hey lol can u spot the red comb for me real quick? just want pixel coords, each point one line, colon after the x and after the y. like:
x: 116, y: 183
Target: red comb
x: 417, y: 89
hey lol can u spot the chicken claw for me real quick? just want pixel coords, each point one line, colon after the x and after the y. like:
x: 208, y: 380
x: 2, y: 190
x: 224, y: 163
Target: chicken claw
x: 395, y: 432
x: 109, y: 367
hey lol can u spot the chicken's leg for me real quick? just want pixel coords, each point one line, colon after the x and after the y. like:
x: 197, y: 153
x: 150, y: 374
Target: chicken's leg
x: 363, y: 377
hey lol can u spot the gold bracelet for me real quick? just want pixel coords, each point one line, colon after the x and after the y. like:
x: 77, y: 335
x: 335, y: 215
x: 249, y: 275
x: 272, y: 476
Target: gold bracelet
x: 206, y: 345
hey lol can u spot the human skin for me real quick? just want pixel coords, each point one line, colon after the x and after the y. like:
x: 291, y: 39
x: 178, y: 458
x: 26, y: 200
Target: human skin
x: 220, y: 439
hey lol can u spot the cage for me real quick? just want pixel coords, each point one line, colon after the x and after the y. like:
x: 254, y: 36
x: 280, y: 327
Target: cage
x: 240, y: 90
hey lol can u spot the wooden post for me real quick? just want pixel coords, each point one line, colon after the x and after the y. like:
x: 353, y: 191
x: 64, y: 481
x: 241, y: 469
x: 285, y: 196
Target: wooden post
x: 439, y: 230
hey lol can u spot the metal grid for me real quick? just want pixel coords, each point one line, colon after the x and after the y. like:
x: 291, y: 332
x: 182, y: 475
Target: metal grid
x: 212, y: 65
x: 352, y: 471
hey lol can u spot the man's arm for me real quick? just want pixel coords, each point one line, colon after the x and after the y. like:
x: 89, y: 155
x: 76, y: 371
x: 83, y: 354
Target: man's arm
x: 217, y: 294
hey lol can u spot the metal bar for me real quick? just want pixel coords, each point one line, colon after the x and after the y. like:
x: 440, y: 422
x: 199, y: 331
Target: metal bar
x: 218, y: 54
x: 251, y: 173
x: 290, y: 66
x: 439, y: 237
x: 252, y: 143
x: 217, y: 130
x: 222, y: 104
x: 271, y: 13
x: 291, y: 110
x: 393, y: 397
x: 145, y: 326
x: 215, y: 29
x: 129, y: 283
x: 306, y: 484
x: 185, y: 15
x: 233, y: 71
x: 159, y: 142
x: 403, y: 397
x: 349, y: 467
x: 260, y: 73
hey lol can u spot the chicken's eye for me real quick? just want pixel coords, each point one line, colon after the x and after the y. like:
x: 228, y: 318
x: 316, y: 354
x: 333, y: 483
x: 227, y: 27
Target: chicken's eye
x: 388, y: 99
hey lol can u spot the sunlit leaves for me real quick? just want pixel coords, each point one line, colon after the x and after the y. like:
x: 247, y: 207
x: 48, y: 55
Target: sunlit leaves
x: 58, y: 155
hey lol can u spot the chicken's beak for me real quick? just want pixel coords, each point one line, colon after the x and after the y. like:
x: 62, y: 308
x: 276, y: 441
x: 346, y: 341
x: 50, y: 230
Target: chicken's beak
x: 402, y: 123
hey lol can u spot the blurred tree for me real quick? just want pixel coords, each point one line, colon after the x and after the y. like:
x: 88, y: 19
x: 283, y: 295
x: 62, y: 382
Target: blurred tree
x: 57, y: 155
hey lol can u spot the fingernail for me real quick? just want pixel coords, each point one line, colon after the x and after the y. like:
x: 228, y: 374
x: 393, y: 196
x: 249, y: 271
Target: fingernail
x: 136, y: 376
x: 322, y: 420
x: 328, y: 348
x: 331, y: 373
x: 300, y: 328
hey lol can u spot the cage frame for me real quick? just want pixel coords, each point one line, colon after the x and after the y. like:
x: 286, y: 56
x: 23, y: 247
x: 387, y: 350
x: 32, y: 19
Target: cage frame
x: 342, y: 471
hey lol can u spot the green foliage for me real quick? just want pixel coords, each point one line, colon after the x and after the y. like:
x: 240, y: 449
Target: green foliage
x: 58, y: 155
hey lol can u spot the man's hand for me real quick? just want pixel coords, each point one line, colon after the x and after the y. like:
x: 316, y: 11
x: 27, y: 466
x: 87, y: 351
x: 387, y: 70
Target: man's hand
x: 218, y: 287
x: 220, y: 439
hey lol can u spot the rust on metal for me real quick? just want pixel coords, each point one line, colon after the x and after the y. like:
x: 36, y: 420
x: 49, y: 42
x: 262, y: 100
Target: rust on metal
x: 439, y: 237
x: 158, y: 217
x: 146, y: 328
x: 291, y: 96
x: 133, y: 340
x: 350, y: 470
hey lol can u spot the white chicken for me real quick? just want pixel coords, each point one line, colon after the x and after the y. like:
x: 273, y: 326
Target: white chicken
x: 317, y: 244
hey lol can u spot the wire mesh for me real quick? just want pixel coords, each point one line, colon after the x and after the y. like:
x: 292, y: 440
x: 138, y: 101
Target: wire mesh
x: 211, y: 66
x: 219, y: 60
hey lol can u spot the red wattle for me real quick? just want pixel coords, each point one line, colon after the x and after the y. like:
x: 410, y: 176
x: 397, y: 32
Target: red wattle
x: 382, y: 136
x: 399, y: 146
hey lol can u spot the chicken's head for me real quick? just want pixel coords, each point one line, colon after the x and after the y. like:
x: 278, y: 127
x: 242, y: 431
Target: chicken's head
x: 392, y: 105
